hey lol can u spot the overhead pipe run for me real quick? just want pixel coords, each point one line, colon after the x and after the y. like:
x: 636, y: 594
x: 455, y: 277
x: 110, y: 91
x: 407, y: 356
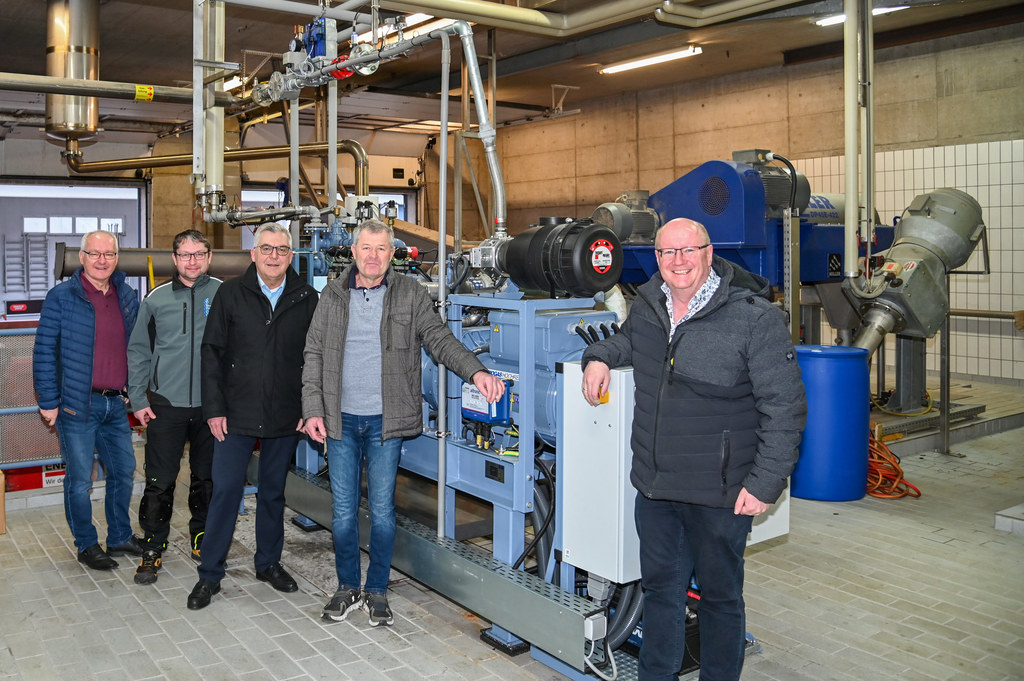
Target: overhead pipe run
x: 19, y: 82
x: 135, y: 262
x: 362, y: 174
x: 598, y: 15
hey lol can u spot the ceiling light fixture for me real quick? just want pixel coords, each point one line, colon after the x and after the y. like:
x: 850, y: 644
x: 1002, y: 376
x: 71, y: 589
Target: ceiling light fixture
x: 648, y: 61
x: 840, y: 18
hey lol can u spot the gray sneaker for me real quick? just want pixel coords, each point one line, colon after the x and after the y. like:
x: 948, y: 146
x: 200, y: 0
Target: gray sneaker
x: 342, y: 603
x: 376, y: 606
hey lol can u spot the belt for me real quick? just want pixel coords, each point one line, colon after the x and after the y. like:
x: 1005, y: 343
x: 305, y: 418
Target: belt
x: 110, y: 392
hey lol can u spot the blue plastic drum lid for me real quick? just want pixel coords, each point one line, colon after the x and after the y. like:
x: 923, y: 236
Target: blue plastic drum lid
x: 833, y: 463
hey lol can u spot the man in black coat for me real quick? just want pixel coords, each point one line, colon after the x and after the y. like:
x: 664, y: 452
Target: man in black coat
x: 719, y: 411
x: 252, y: 390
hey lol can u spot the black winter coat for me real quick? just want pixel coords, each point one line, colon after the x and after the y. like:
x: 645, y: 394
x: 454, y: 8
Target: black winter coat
x: 721, y: 406
x: 252, y: 355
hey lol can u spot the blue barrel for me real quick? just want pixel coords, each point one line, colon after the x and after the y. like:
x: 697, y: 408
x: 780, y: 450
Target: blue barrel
x: 833, y: 463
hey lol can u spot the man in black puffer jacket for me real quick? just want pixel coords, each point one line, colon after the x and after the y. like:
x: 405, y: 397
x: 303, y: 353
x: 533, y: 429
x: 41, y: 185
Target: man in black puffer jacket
x: 719, y: 411
x: 252, y: 390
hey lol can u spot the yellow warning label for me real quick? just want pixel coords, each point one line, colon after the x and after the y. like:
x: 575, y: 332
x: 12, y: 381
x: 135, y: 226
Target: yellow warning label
x: 144, y: 93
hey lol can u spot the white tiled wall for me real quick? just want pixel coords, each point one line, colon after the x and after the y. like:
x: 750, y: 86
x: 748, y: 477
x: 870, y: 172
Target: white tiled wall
x: 993, y: 173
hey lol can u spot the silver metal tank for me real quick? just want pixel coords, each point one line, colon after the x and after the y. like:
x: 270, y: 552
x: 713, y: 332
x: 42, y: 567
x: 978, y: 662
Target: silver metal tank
x: 72, y: 51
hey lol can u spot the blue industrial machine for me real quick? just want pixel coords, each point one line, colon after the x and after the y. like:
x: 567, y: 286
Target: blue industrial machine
x: 741, y: 203
x: 528, y: 306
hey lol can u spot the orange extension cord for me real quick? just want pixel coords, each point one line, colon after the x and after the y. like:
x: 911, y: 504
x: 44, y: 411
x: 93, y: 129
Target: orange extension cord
x: 885, y: 477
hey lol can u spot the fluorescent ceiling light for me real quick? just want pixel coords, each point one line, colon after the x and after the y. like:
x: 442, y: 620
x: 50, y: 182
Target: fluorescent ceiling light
x: 840, y: 18
x: 232, y: 83
x: 656, y: 59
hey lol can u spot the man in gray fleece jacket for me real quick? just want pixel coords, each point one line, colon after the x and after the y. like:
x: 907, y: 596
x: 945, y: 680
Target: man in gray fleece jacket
x: 361, y: 395
x: 719, y: 411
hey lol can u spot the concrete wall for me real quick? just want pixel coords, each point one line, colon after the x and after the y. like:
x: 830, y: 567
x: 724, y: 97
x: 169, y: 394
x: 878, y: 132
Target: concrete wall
x: 948, y: 113
x: 967, y: 88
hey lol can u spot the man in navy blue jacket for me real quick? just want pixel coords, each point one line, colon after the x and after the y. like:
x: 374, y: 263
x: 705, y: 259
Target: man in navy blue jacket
x: 80, y: 370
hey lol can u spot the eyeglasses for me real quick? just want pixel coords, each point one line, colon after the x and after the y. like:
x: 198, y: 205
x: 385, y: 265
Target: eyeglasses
x: 687, y: 251
x: 96, y: 255
x: 267, y: 249
x: 192, y: 256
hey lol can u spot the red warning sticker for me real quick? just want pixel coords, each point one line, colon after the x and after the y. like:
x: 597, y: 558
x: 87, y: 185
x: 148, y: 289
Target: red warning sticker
x: 601, y: 255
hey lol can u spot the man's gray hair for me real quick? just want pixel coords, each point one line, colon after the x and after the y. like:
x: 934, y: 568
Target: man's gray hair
x: 374, y: 226
x: 100, y: 231
x: 273, y: 228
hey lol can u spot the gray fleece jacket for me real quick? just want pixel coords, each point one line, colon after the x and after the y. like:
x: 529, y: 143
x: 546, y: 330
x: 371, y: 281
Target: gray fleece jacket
x: 409, y: 323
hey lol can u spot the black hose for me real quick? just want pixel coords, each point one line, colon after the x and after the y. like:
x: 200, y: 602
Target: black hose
x: 615, y: 327
x: 583, y: 334
x: 459, y: 278
x: 605, y: 331
x: 593, y: 333
x: 420, y: 271
x: 541, y: 511
x: 537, y: 534
x: 634, y: 611
x: 792, y: 179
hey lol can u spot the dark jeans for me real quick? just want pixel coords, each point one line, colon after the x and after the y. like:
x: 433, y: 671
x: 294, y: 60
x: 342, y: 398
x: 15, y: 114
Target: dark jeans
x: 107, y: 433
x: 230, y: 460
x: 678, y: 540
x: 360, y: 441
x: 166, y: 436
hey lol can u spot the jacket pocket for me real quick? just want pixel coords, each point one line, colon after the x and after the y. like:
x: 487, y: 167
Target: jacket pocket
x: 399, y: 331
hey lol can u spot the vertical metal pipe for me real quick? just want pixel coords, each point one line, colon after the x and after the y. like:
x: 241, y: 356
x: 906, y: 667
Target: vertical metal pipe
x: 944, y: 381
x: 294, y: 170
x: 442, y: 289
x: 213, y: 116
x: 867, y: 131
x: 331, y: 184
x: 198, y: 130
x: 850, y: 119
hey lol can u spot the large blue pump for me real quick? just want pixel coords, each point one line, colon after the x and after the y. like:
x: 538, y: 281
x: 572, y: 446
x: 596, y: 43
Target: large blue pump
x: 741, y: 204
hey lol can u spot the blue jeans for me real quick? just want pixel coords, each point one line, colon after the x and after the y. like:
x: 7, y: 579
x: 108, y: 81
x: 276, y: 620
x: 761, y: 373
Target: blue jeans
x: 106, y: 432
x: 230, y: 461
x: 361, y: 441
x: 678, y: 540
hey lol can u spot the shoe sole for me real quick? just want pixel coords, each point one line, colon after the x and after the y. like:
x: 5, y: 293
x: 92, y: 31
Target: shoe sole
x: 146, y: 577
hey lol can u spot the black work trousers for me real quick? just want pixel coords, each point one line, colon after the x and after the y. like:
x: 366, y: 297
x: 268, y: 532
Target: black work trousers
x: 166, y: 436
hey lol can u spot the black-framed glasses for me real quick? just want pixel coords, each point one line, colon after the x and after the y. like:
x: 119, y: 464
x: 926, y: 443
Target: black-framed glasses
x: 192, y: 256
x: 688, y: 250
x: 96, y: 255
x: 267, y: 249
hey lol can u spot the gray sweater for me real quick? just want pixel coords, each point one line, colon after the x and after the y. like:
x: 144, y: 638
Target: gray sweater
x: 409, y: 323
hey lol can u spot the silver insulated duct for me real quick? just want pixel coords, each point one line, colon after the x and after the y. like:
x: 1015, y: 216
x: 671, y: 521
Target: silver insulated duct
x: 72, y: 51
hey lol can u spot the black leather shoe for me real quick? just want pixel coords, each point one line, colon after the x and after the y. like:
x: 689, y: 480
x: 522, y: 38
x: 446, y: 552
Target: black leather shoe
x: 96, y: 558
x: 132, y: 547
x: 201, y: 594
x: 278, y: 578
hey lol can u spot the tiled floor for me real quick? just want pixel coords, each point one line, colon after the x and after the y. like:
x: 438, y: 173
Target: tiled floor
x: 908, y: 589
